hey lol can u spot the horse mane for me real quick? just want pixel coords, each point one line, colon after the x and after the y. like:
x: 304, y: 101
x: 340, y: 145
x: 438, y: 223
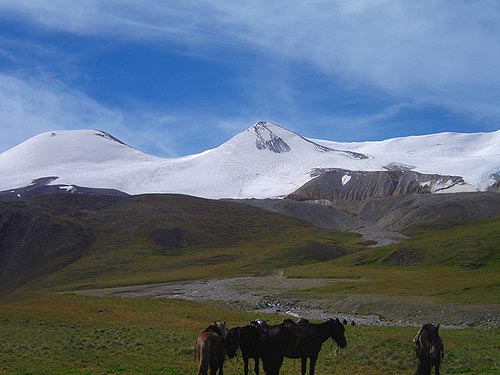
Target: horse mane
x: 214, y: 327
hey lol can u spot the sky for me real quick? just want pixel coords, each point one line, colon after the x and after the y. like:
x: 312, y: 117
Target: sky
x: 173, y: 78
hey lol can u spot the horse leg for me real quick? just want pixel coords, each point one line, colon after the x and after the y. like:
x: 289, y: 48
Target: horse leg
x: 437, y: 364
x: 267, y: 363
x: 312, y: 363
x: 256, y: 368
x: 424, y: 366
x: 277, y: 364
x: 216, y: 367
x: 303, y: 361
x: 245, y: 364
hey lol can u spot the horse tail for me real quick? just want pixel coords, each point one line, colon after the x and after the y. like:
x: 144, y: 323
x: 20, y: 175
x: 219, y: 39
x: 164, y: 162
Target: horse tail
x: 203, y: 355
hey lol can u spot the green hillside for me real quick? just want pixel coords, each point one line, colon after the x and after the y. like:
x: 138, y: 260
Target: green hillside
x: 67, y: 242
x: 447, y: 262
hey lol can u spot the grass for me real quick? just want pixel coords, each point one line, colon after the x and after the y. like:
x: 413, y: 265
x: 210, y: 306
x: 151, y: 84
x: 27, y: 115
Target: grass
x: 160, y: 238
x: 453, y: 265
x: 151, y: 239
x: 69, y: 334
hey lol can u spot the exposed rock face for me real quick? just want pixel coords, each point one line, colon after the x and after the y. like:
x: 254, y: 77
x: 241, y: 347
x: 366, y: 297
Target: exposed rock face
x: 340, y: 184
x: 40, y: 186
x: 106, y: 135
x: 265, y: 139
x: 381, y: 219
x: 398, y: 167
x: 495, y: 187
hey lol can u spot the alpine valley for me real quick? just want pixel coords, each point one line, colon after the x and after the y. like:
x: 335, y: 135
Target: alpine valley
x: 387, y: 235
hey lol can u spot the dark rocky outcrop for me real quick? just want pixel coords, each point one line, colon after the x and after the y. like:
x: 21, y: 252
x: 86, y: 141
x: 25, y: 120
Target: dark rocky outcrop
x: 273, y: 143
x: 341, y: 184
x: 495, y: 187
x: 40, y: 186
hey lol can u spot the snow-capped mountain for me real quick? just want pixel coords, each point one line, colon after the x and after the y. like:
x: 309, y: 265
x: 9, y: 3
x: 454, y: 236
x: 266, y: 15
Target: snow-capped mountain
x: 264, y: 161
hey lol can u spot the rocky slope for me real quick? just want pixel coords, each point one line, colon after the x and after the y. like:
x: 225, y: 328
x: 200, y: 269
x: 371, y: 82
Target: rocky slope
x: 381, y: 219
x: 342, y: 184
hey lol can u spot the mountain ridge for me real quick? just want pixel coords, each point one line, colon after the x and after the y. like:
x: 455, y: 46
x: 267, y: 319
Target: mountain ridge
x: 264, y: 161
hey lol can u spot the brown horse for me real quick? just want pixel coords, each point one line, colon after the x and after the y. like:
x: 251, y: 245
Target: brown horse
x: 210, y: 349
x: 429, y: 349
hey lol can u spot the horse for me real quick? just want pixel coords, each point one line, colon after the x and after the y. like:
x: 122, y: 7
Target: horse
x: 246, y: 338
x: 429, y: 349
x: 298, y: 340
x: 210, y: 349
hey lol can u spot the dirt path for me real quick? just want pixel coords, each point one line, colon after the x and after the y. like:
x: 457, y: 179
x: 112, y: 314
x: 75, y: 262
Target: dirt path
x: 288, y: 296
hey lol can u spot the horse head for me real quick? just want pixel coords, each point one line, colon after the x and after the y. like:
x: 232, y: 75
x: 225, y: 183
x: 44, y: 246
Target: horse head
x: 218, y: 328
x: 233, y: 341
x: 222, y: 328
x: 428, y: 343
x: 337, y: 330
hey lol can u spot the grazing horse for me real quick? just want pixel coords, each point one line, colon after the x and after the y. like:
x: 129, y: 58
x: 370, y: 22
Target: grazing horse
x: 298, y: 340
x: 429, y: 349
x: 246, y: 338
x: 210, y: 349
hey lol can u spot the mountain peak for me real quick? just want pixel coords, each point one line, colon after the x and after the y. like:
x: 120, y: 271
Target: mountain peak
x: 266, y: 139
x: 279, y: 139
x: 102, y: 133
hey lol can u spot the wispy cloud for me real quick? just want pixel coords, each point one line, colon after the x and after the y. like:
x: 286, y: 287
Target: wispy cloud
x: 426, y: 53
x: 444, y: 52
x: 29, y: 106
x: 32, y: 106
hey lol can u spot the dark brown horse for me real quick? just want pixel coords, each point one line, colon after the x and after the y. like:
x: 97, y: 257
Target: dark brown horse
x: 210, y: 349
x: 298, y: 340
x: 247, y: 339
x: 429, y: 349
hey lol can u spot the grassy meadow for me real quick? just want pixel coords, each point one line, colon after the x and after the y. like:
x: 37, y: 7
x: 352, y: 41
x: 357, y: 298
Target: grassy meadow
x: 154, y: 239
x: 69, y: 334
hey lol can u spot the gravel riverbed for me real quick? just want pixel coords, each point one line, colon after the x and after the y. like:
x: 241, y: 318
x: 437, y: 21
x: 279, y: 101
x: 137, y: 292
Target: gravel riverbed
x: 289, y: 296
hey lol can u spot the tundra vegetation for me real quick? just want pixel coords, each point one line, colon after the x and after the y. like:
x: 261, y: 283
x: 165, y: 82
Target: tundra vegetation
x: 153, y: 239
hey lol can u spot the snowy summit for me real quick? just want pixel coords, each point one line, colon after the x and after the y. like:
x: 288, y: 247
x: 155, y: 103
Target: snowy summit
x: 264, y: 161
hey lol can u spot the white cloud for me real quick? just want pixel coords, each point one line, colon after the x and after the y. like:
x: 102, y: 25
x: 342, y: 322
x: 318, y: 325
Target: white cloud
x: 443, y: 52
x: 31, y: 106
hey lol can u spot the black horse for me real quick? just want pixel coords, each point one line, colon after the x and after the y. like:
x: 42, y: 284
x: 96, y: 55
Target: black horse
x: 246, y: 338
x: 298, y: 340
x: 429, y: 349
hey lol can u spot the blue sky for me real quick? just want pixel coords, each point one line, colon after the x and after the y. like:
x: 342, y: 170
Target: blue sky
x: 178, y: 77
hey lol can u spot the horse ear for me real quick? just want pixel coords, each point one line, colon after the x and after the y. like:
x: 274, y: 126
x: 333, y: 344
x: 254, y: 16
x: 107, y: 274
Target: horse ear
x: 337, y: 320
x: 437, y: 327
